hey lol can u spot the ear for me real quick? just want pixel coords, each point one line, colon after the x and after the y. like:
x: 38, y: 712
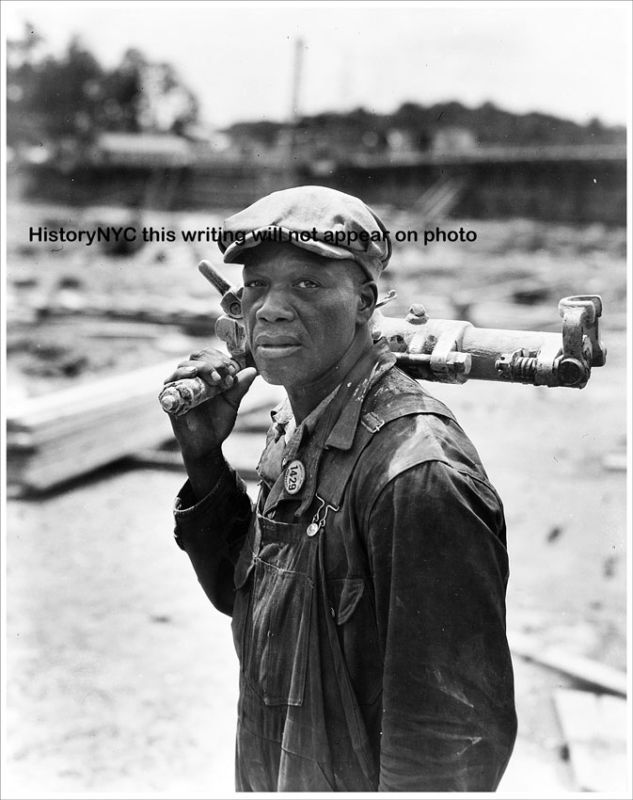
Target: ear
x: 367, y: 298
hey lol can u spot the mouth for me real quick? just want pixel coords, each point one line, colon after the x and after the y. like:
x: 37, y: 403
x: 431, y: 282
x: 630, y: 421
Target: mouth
x: 272, y: 350
x: 270, y: 345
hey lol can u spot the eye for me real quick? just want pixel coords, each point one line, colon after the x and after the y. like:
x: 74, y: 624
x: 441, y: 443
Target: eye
x: 306, y: 283
x: 255, y: 283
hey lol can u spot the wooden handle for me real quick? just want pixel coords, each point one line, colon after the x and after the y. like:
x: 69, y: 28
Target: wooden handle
x: 214, y: 277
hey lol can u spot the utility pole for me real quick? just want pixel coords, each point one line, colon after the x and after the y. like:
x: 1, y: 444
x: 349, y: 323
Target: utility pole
x: 295, y: 98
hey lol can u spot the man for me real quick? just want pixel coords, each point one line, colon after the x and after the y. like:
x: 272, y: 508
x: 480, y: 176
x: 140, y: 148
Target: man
x: 367, y: 586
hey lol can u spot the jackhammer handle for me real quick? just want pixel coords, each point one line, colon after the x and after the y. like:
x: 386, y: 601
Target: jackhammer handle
x: 179, y: 397
x: 213, y: 276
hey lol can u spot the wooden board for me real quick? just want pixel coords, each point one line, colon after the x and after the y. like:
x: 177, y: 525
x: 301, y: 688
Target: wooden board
x: 595, y: 729
x: 56, y: 437
x: 577, y: 667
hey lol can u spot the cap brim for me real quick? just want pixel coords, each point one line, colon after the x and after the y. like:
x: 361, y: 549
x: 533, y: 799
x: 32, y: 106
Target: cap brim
x: 235, y: 251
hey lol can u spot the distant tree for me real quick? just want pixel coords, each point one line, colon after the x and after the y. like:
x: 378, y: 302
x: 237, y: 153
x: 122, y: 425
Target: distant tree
x: 264, y: 131
x: 21, y: 50
x: 122, y: 94
x: 167, y: 103
x: 595, y: 127
x: 337, y: 134
x: 73, y: 97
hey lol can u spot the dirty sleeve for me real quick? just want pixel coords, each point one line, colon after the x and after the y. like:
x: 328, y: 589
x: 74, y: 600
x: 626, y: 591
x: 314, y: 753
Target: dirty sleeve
x: 436, y: 540
x: 212, y: 531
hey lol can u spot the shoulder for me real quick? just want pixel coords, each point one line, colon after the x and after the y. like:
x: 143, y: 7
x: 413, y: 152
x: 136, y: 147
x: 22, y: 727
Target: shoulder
x: 413, y: 427
x: 415, y: 437
x: 396, y: 394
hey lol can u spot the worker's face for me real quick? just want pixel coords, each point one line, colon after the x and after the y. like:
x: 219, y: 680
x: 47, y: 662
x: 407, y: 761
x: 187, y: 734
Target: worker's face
x: 301, y: 312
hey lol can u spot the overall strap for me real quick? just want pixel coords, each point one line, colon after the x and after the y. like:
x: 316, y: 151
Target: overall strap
x: 337, y: 466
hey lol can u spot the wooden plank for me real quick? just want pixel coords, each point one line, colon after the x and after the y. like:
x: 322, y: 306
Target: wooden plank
x: 53, y: 462
x: 595, y: 729
x: 53, y: 438
x: 52, y: 416
x: 64, y: 403
x: 578, y: 667
x: 103, y: 392
x: 29, y: 431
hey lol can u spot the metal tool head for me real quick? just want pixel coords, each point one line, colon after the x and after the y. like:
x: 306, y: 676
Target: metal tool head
x: 580, y: 315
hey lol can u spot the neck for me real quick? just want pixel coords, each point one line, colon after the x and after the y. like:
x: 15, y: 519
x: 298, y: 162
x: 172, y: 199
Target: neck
x: 305, y: 398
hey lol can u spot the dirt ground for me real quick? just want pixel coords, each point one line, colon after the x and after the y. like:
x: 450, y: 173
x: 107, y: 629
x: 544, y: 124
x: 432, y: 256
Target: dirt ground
x: 120, y: 677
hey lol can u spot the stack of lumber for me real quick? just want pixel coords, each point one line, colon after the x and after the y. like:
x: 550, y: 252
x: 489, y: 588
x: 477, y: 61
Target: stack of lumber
x: 63, y: 435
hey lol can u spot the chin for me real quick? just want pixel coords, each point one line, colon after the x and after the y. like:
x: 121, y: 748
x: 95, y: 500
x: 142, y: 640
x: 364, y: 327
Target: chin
x: 288, y: 377
x: 276, y: 377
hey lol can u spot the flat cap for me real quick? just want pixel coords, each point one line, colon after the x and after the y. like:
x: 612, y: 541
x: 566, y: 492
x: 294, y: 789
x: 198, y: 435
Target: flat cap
x: 324, y: 221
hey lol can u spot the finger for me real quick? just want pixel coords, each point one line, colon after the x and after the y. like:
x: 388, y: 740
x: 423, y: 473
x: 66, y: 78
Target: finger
x: 213, y: 356
x: 243, y: 382
x: 210, y: 354
x: 182, y: 372
x: 193, y: 360
x: 213, y: 371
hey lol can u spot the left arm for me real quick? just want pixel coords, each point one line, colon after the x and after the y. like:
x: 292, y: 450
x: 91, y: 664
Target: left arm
x: 436, y: 542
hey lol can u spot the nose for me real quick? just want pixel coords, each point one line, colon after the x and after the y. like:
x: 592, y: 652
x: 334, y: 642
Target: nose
x: 274, y: 307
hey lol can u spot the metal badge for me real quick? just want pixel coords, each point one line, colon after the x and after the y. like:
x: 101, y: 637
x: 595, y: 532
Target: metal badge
x: 294, y: 477
x: 318, y: 520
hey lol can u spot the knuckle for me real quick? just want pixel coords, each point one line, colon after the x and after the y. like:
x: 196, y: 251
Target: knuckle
x: 214, y: 357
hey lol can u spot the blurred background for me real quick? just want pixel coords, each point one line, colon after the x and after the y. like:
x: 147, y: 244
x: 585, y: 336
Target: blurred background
x: 505, y: 120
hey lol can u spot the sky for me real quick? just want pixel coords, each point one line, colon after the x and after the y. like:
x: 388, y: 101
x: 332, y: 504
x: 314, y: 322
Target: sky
x: 571, y: 59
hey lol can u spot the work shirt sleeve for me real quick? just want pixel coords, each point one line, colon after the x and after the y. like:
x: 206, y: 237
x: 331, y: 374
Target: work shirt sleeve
x: 212, y: 531
x: 436, y: 540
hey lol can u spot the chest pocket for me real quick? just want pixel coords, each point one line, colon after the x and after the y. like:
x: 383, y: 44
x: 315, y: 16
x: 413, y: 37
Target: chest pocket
x: 273, y: 611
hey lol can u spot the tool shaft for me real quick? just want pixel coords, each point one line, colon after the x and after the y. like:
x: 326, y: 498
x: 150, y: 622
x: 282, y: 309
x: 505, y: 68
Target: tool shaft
x: 214, y: 277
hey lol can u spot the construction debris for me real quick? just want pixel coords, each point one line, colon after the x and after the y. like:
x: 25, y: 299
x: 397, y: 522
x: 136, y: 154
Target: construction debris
x: 594, y: 727
x: 581, y: 669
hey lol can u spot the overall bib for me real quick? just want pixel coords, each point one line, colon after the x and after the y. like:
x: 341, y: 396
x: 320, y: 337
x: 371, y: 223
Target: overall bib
x: 298, y: 724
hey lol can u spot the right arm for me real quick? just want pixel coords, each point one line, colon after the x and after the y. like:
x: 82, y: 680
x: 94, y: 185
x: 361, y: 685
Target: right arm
x: 201, y: 432
x: 212, y: 510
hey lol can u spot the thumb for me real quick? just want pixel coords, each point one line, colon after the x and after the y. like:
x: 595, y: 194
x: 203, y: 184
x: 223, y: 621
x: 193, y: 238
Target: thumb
x: 243, y: 382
